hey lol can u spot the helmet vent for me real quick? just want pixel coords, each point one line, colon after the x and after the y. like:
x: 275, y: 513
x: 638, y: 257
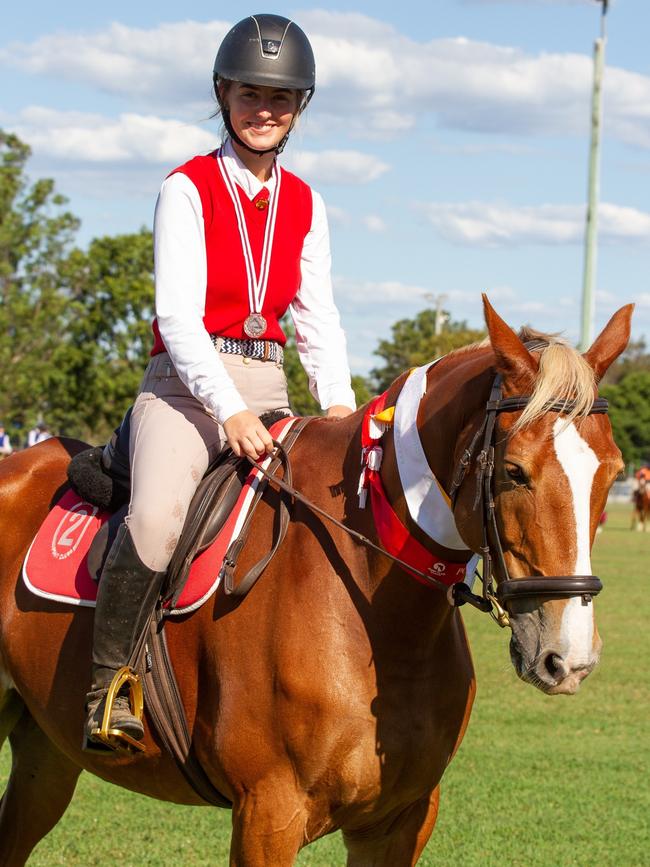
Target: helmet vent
x: 271, y: 47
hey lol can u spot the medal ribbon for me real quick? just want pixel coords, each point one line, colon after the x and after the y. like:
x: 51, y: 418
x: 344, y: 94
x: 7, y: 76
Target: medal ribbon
x: 256, y: 285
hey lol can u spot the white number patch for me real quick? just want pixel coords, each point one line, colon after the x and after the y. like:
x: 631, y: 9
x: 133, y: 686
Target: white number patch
x: 71, y: 529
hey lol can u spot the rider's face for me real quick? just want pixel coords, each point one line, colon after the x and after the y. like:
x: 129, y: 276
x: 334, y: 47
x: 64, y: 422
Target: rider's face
x: 261, y: 116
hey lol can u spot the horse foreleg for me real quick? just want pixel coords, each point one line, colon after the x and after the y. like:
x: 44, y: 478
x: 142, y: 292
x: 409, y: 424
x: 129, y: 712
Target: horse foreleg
x: 268, y: 828
x: 11, y: 707
x: 40, y: 787
x: 398, y: 842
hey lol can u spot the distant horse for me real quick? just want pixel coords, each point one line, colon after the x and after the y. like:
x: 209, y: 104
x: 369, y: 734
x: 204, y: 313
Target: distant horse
x: 641, y: 504
x: 334, y: 695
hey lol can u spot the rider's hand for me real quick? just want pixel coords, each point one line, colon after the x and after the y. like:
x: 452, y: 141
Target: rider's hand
x: 339, y: 411
x: 247, y: 435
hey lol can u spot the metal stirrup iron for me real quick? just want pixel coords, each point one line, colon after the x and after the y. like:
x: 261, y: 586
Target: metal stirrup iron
x: 115, y: 738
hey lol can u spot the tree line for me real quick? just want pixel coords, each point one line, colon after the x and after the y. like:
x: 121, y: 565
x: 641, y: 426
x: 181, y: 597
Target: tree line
x: 75, y: 325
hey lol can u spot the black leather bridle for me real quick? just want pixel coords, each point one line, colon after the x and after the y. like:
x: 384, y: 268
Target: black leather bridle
x: 493, y: 600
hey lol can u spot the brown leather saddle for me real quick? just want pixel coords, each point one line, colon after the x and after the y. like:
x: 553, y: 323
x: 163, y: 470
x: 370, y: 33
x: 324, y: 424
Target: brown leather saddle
x: 101, y: 475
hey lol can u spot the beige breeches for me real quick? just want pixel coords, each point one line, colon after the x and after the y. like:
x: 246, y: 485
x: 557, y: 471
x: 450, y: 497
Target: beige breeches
x: 173, y: 440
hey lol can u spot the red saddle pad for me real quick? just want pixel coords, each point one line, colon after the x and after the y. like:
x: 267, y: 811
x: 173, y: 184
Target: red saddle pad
x: 56, y: 565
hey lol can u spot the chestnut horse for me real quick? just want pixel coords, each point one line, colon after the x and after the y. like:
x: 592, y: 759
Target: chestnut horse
x: 334, y: 695
x: 641, y: 505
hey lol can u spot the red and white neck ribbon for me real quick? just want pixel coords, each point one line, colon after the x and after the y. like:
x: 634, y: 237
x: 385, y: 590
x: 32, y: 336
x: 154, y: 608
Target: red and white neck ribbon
x: 393, y: 534
x: 257, y: 283
x: 428, y: 504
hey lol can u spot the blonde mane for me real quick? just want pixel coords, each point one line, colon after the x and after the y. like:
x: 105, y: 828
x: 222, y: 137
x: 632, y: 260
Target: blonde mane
x: 564, y: 376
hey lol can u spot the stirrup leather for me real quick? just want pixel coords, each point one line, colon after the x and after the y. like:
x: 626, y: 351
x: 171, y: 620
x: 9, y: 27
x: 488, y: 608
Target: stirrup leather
x: 115, y: 738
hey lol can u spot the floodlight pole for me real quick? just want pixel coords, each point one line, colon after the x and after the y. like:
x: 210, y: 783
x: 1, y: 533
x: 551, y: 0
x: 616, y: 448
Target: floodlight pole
x: 439, y: 316
x: 591, y: 232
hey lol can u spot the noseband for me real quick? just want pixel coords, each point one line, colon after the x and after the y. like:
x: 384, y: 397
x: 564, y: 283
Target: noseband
x: 556, y: 586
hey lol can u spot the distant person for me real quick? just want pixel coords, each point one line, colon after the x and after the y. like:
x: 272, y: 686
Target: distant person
x: 38, y: 434
x: 640, y: 486
x: 5, y: 443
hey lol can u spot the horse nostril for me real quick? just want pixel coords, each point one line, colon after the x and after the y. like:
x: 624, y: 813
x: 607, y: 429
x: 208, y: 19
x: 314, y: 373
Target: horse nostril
x: 555, y: 665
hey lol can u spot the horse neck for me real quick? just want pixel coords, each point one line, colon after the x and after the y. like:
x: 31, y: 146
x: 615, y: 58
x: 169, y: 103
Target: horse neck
x: 453, y: 408
x: 449, y: 413
x: 456, y: 394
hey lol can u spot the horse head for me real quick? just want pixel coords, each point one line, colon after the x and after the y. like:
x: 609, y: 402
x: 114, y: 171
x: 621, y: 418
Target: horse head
x: 553, y: 462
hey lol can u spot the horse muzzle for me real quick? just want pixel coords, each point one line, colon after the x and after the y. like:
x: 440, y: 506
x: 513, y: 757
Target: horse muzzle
x: 553, y: 646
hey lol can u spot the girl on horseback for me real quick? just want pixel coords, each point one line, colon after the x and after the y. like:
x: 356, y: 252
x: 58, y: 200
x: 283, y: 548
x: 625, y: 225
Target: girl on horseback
x: 237, y: 241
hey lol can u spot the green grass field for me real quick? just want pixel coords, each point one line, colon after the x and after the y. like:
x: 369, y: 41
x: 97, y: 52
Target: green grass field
x: 538, y: 780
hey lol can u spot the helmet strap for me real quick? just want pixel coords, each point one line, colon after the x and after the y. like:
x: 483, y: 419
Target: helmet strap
x: 225, y: 114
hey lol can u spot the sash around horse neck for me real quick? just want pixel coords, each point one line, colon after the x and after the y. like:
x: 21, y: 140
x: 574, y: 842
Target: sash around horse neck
x: 428, y: 504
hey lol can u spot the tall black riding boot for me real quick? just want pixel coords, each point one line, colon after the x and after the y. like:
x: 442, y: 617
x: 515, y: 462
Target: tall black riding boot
x: 128, y: 592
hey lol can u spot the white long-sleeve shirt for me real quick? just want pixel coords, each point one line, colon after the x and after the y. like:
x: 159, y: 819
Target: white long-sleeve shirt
x: 180, y: 297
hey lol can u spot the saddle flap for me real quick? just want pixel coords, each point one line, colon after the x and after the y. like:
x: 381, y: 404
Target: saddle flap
x: 208, y: 511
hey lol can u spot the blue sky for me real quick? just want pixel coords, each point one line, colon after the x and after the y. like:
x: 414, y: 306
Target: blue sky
x: 449, y: 140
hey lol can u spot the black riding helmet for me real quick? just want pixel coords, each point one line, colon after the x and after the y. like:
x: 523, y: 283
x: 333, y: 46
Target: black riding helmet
x: 267, y: 50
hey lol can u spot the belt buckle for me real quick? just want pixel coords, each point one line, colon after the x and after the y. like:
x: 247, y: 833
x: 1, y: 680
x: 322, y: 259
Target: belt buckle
x: 245, y: 349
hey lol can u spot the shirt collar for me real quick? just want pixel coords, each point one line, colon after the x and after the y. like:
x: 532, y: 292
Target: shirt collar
x: 242, y: 176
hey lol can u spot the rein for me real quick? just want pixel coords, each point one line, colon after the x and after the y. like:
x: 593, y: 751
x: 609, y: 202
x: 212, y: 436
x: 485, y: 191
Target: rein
x: 493, y: 599
x: 364, y: 540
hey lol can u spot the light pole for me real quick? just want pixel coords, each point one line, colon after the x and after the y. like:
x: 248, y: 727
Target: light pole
x: 591, y: 231
x: 440, y: 316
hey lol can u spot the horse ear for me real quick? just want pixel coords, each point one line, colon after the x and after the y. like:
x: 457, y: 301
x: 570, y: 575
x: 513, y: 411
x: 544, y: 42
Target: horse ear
x: 611, y: 341
x: 513, y: 360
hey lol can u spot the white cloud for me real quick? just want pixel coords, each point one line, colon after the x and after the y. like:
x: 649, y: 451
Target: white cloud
x: 338, y: 216
x: 624, y: 224
x: 83, y: 138
x: 374, y: 223
x: 372, y: 80
x: 379, y: 292
x: 529, y: 2
x: 372, y: 70
x: 336, y: 166
x: 167, y: 65
x: 92, y: 138
x: 500, y: 224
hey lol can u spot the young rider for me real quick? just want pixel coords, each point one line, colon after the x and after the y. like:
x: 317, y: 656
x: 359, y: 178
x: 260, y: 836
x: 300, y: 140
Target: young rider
x: 237, y: 241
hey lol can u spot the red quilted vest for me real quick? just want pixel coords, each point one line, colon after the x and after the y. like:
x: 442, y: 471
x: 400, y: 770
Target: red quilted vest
x: 226, y: 305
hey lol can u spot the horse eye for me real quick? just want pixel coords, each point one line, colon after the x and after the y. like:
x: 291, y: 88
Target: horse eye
x: 515, y: 473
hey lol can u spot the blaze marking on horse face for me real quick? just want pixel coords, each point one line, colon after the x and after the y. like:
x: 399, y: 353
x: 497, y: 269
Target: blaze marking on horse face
x: 579, y: 463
